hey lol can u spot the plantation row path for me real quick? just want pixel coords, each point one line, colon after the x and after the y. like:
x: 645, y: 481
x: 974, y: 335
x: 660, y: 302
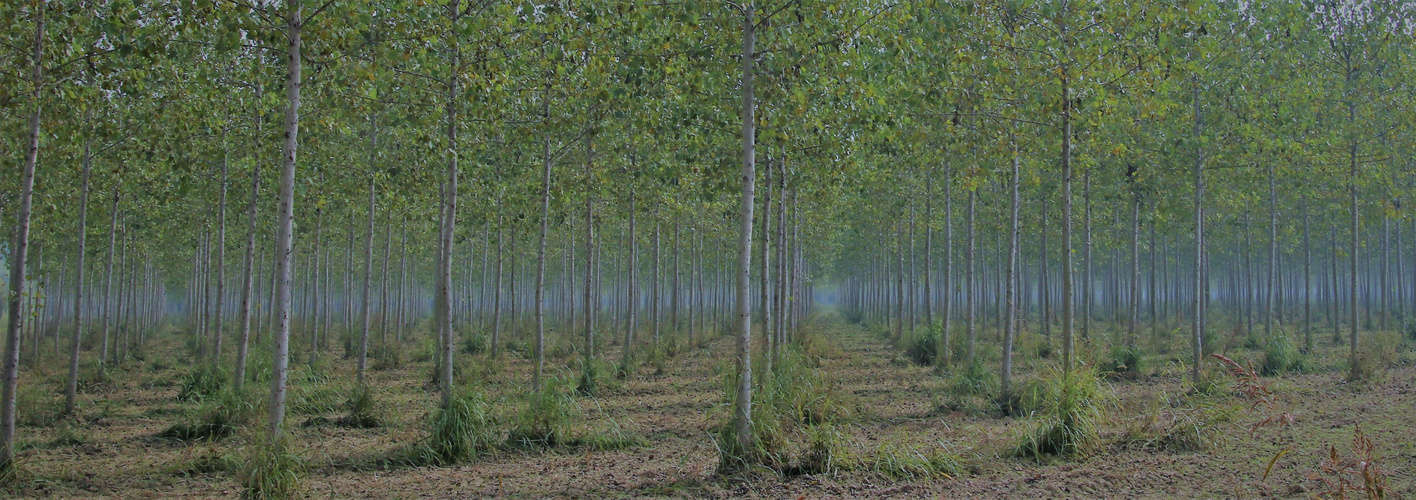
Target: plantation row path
x: 885, y: 409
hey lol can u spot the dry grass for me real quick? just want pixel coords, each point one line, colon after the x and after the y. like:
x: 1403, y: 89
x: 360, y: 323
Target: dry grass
x: 649, y: 434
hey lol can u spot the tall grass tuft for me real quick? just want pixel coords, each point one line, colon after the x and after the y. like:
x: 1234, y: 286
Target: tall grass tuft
x: 908, y: 462
x: 1066, y: 410
x: 204, y: 381
x: 1280, y: 356
x: 460, y: 431
x: 217, y: 418
x: 547, y: 419
x: 271, y: 471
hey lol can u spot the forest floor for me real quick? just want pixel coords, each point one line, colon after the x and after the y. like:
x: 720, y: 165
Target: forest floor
x: 888, y: 411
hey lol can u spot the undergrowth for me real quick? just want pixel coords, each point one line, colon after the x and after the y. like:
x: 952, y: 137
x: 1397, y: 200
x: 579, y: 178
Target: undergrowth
x: 1065, y: 410
x: 218, y: 417
x: 271, y: 471
x: 460, y: 431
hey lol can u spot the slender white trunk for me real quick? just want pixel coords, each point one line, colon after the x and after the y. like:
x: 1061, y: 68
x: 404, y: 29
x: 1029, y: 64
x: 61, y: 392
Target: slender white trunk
x: 285, y: 228
x: 742, y: 411
x: 71, y: 390
x: 20, y: 249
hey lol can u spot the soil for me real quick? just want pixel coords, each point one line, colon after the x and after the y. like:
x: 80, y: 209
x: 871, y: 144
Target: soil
x: 110, y: 448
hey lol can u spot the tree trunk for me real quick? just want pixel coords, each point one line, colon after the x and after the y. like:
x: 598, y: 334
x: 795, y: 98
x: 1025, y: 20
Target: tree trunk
x: 220, y: 266
x: 971, y: 282
x: 742, y: 408
x: 928, y: 256
x: 19, y: 253
x: 1198, y: 332
x: 497, y: 292
x: 540, y: 346
x: 366, y: 306
x: 72, y: 388
x: 630, y: 322
x: 590, y: 298
x: 247, y: 279
x: 1134, y: 301
x: 449, y: 220
x: 285, y: 229
x: 1009, y: 326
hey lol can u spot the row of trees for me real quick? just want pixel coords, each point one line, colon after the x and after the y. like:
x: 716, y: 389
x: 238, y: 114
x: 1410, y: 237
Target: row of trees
x: 1147, y: 167
x: 505, y: 168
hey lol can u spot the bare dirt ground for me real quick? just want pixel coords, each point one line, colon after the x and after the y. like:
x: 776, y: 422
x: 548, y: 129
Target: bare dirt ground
x: 111, y: 448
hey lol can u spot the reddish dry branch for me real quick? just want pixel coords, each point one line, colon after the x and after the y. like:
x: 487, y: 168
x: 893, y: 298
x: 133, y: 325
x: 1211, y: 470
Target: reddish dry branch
x: 1358, y: 473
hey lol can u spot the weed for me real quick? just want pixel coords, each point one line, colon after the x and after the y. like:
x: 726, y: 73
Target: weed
x: 973, y: 379
x: 1176, y: 423
x: 908, y: 462
x: 924, y: 349
x: 315, y: 399
x: 476, y: 343
x: 1356, y: 473
x: 764, y: 448
x: 68, y: 435
x: 823, y: 454
x: 1280, y: 356
x: 37, y: 407
x: 363, y: 410
x: 204, y: 381
x: 271, y: 471
x: 1066, y: 409
x: 460, y: 431
x: 1124, y: 361
x: 547, y: 418
x: 1248, y: 383
x: 203, y: 460
x: 388, y: 356
x: 217, y: 418
x: 612, y: 437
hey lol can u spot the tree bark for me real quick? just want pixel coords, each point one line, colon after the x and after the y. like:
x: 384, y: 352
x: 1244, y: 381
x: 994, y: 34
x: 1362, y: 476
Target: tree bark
x: 285, y: 228
x: 742, y: 410
x: 72, y: 388
x: 1198, y: 332
x: 541, y: 256
x: 1010, y: 321
x: 247, y: 279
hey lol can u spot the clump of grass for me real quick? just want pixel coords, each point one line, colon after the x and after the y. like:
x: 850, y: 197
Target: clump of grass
x: 924, y: 349
x: 68, y: 435
x: 765, y: 448
x: 612, y: 437
x: 1178, y: 424
x: 589, y: 379
x: 627, y: 367
x: 1066, y: 410
x: 217, y: 418
x: 203, y: 460
x: 388, y: 356
x: 460, y: 431
x: 271, y: 471
x: 547, y: 418
x: 1123, y: 361
x: 476, y: 343
x: 973, y: 379
x: 1377, y: 353
x: 37, y: 407
x: 802, y: 395
x: 315, y: 399
x: 908, y: 462
x: 823, y: 453
x: 203, y: 382
x: 363, y: 410
x: 1280, y: 356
